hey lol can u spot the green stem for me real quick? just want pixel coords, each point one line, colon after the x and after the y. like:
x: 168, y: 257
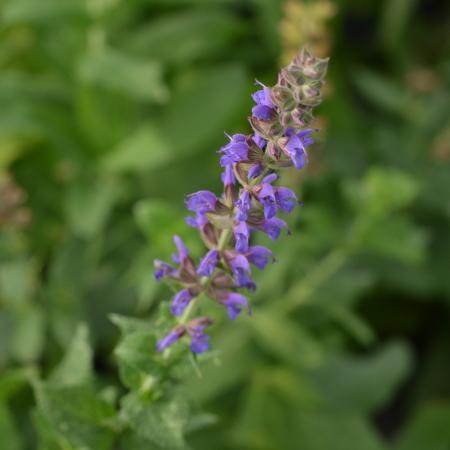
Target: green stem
x: 225, y: 236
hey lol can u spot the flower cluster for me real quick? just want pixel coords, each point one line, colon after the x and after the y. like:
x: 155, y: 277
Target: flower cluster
x: 250, y: 201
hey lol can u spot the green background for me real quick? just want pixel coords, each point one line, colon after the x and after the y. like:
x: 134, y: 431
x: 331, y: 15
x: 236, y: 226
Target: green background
x: 111, y: 112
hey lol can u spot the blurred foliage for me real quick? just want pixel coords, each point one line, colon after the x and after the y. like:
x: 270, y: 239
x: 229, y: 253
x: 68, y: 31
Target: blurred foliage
x: 112, y: 112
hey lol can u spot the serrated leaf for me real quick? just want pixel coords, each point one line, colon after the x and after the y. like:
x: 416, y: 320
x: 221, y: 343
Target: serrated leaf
x: 138, y: 366
x: 161, y: 423
x: 129, y: 324
x: 75, y: 416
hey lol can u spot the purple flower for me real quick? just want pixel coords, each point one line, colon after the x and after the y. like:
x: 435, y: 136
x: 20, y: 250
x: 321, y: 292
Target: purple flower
x: 259, y: 141
x: 264, y: 108
x: 285, y: 199
x: 235, y: 151
x: 198, y: 221
x: 255, y: 170
x: 201, y: 201
x: 208, y: 263
x: 243, y: 205
x: 241, y: 234
x: 267, y: 196
x: 163, y: 270
x: 199, y: 343
x: 240, y: 268
x: 180, y: 302
x: 296, y: 147
x: 235, y: 303
x: 272, y: 227
x: 228, y: 178
x: 172, y: 337
x: 259, y: 256
x: 183, y: 252
x: 196, y: 329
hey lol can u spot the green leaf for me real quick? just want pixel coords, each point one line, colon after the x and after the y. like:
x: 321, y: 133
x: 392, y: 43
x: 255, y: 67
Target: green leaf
x: 146, y: 148
x: 74, y: 416
x: 129, y: 324
x: 353, y: 384
x: 12, y: 380
x: 160, y: 423
x: 138, y: 78
x: 429, y: 429
x: 17, y: 11
x: 89, y: 203
x: 286, y: 339
x: 395, y: 18
x: 185, y: 36
x: 157, y: 219
x: 274, y: 417
x: 17, y: 278
x: 76, y: 366
x: 28, y: 339
x: 10, y: 436
x: 138, y: 366
x: 396, y: 237
x: 385, y: 94
x: 200, y: 110
x: 382, y: 191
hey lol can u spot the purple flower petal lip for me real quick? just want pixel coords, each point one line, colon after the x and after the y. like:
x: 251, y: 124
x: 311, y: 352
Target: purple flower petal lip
x: 285, y: 199
x: 266, y: 196
x: 196, y: 329
x: 296, y: 151
x: 228, y: 178
x: 255, y: 170
x: 263, y: 95
x: 272, y: 227
x: 172, y: 337
x: 243, y: 205
x: 201, y: 201
x: 262, y: 112
x: 180, y: 302
x: 235, y: 303
x: 235, y: 151
x: 270, y: 178
x: 304, y: 136
x: 183, y: 252
x: 198, y: 221
x: 208, y: 263
x: 259, y: 141
x: 296, y: 146
x: 242, y: 235
x: 259, y: 256
x: 240, y: 268
x: 200, y: 343
x: 163, y: 270
x: 264, y: 106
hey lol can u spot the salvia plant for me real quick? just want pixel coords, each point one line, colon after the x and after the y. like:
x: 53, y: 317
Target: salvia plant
x: 251, y: 201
